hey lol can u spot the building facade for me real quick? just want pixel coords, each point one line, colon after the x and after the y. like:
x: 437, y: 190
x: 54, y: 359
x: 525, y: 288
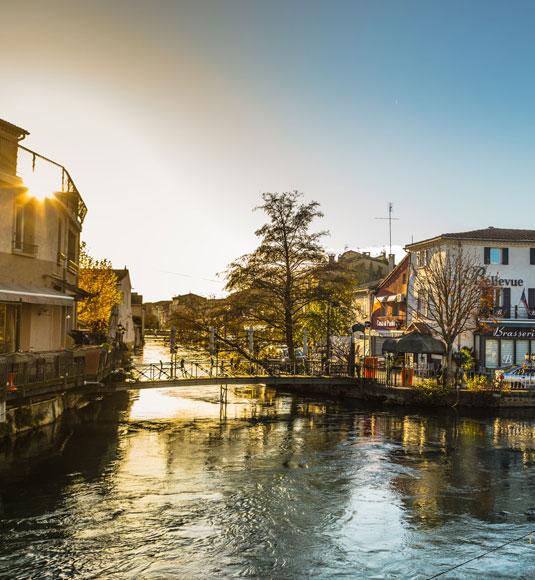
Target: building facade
x: 40, y: 223
x: 504, y: 335
x: 389, y: 313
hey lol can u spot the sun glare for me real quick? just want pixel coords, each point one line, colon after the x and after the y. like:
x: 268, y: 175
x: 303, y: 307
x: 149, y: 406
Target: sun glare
x: 41, y: 183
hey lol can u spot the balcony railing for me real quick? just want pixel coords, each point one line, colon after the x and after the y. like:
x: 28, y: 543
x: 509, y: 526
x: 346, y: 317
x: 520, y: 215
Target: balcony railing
x: 53, y: 177
x: 514, y: 312
x: 24, y: 248
x: 72, y: 267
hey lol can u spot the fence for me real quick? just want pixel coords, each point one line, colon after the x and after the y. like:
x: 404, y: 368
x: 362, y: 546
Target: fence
x: 27, y: 374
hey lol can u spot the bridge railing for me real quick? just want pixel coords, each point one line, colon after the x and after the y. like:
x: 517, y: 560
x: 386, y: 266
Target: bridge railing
x: 198, y: 368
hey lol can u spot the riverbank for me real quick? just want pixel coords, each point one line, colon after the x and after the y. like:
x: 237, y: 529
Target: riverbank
x: 412, y: 397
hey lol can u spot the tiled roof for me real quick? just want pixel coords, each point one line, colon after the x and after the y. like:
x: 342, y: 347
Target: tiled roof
x: 487, y: 234
x: 494, y: 234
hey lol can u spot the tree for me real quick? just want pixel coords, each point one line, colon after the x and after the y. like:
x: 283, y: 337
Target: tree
x: 332, y: 311
x: 450, y: 289
x: 98, y: 278
x: 277, y: 277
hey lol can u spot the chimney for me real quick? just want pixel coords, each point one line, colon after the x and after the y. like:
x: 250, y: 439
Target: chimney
x: 391, y: 262
x: 331, y: 259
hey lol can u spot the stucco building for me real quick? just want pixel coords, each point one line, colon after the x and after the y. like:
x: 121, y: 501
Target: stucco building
x: 508, y: 333
x: 40, y: 223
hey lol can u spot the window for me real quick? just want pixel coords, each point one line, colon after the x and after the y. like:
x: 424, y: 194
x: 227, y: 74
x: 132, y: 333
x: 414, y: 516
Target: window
x: 491, y: 354
x: 61, y: 254
x: 395, y: 309
x: 532, y: 256
x: 522, y: 349
x: 496, y: 255
x: 24, y: 229
x: 404, y: 279
x: 422, y: 258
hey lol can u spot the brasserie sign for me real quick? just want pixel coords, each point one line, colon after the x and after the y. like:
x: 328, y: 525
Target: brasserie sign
x: 505, y: 332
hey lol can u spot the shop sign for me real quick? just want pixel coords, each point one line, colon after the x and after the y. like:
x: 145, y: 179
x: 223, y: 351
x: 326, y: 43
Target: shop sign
x: 505, y: 332
x: 386, y: 323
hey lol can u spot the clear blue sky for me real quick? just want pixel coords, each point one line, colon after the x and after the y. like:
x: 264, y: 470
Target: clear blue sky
x: 174, y: 116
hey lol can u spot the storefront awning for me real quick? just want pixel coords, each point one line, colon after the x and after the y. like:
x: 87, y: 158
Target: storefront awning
x: 391, y: 298
x: 33, y: 295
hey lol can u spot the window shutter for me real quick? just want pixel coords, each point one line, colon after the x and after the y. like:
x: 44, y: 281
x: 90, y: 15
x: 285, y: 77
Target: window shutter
x: 486, y: 259
x: 505, y: 255
x: 532, y: 255
x: 531, y: 298
x: 507, y: 297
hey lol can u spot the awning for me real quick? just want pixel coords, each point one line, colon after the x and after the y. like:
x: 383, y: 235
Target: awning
x: 416, y: 343
x: 33, y: 295
x: 391, y: 298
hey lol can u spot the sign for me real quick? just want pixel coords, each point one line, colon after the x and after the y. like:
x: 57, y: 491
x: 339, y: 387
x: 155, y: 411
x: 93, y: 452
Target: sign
x: 506, y: 281
x: 505, y: 332
x: 386, y: 323
x: 507, y: 359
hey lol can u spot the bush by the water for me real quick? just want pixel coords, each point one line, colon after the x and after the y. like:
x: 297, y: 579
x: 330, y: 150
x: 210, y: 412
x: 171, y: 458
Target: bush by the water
x: 432, y: 391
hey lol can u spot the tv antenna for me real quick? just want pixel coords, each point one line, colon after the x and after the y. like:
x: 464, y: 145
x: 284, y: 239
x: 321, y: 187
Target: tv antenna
x: 389, y: 218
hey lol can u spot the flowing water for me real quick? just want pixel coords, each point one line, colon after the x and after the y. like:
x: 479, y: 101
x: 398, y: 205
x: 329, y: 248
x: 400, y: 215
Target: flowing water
x: 168, y: 484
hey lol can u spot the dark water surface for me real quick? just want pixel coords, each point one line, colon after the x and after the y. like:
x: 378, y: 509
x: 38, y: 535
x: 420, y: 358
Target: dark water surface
x: 168, y: 487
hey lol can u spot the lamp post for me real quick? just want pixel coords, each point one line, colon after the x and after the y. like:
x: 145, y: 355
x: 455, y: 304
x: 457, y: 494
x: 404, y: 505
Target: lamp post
x: 120, y: 332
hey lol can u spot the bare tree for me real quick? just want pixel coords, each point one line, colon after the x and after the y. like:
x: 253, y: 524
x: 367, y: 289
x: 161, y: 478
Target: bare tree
x: 450, y: 287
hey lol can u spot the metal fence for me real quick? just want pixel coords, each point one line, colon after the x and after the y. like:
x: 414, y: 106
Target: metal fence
x: 27, y: 374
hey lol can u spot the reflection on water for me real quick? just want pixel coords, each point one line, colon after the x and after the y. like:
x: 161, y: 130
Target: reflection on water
x: 278, y: 487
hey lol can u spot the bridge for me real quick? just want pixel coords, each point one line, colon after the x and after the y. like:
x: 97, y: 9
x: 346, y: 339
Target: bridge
x: 23, y: 387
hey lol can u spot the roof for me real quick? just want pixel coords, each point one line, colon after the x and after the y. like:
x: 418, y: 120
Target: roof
x: 400, y: 266
x: 489, y: 234
x: 7, y: 126
x: 371, y: 285
x: 121, y: 274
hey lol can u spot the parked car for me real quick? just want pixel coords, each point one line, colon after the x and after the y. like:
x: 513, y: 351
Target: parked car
x: 517, y: 377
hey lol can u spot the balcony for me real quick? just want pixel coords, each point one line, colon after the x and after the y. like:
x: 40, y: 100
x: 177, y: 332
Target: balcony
x: 46, y: 178
x: 72, y: 267
x: 518, y: 312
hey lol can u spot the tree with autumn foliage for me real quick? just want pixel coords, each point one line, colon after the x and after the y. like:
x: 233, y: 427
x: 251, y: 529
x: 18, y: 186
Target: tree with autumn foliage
x: 98, y: 278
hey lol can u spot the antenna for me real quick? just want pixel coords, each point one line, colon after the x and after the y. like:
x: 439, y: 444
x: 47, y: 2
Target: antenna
x: 389, y: 218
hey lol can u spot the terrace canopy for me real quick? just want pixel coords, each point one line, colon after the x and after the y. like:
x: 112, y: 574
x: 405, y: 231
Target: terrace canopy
x: 415, y: 343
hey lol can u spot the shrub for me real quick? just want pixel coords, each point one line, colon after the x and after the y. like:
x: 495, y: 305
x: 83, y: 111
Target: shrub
x: 431, y: 391
x: 478, y: 383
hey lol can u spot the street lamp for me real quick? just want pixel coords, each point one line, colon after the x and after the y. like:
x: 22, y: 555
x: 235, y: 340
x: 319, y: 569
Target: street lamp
x: 120, y: 332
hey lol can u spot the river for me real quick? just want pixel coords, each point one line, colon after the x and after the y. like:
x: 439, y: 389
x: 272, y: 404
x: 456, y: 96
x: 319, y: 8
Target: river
x: 168, y: 484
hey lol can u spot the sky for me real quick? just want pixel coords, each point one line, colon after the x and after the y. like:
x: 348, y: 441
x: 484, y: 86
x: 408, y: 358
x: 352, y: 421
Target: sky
x: 173, y: 117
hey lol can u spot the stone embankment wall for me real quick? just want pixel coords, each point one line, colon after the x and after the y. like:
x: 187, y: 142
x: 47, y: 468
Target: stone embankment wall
x: 38, y: 414
x: 375, y: 392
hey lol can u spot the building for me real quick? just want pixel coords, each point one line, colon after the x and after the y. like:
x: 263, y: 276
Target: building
x: 40, y: 223
x: 389, y: 314
x: 506, y: 335
x: 125, y: 307
x: 138, y: 317
x: 367, y: 267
